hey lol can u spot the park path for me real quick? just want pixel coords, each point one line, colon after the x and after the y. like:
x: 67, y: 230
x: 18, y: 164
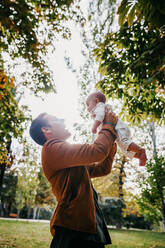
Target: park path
x: 28, y: 220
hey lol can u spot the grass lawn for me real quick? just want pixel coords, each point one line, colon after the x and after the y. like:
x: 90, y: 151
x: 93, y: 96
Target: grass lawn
x: 137, y: 239
x: 36, y: 235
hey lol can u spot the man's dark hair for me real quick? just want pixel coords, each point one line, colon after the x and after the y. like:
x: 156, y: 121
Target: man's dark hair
x: 35, y: 129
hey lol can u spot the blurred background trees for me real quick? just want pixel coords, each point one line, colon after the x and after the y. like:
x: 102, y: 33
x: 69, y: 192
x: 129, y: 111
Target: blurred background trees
x: 124, y: 57
x: 132, y: 60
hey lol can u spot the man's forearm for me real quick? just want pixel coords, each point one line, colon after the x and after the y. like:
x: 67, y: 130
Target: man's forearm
x: 61, y: 155
x: 103, y: 168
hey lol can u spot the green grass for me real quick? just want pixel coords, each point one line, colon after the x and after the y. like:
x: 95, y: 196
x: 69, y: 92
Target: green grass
x: 24, y: 234
x: 137, y: 239
x: 36, y: 235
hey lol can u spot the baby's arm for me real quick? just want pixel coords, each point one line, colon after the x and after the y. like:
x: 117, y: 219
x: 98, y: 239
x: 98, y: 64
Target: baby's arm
x: 95, y: 126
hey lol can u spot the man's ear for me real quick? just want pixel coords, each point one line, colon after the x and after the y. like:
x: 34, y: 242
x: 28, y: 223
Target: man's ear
x: 45, y: 130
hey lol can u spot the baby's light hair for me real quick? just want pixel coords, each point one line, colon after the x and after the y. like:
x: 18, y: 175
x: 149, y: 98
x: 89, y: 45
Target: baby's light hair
x: 100, y: 96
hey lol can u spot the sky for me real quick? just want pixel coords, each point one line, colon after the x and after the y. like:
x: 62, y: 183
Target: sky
x: 64, y: 103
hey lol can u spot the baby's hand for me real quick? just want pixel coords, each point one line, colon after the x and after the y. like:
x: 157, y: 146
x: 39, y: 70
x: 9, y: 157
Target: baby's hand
x: 109, y: 107
x: 94, y: 130
x: 110, y: 116
x: 95, y: 126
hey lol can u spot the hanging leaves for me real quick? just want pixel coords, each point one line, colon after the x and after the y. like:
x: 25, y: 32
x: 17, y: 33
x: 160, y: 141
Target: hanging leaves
x: 150, y: 11
x: 12, y: 117
x: 29, y: 28
x: 133, y: 59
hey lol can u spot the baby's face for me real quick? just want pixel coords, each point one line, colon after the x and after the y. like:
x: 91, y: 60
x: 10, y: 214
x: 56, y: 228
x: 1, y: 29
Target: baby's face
x: 91, y: 103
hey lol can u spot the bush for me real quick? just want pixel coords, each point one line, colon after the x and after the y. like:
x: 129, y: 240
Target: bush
x: 137, y: 222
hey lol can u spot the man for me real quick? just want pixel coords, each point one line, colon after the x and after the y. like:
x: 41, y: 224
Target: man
x: 77, y: 221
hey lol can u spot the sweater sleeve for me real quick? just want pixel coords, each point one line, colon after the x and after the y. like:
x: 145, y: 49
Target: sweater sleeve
x: 60, y: 155
x: 103, y: 168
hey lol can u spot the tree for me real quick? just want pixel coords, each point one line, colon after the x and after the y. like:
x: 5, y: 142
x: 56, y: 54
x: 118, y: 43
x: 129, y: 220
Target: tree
x: 12, y: 118
x: 112, y: 211
x: 12, y: 123
x: 131, y: 205
x: 8, y: 194
x: 152, y: 184
x: 28, y: 28
x: 26, y: 167
x: 152, y: 201
x: 152, y: 11
x: 132, y: 62
x: 44, y: 195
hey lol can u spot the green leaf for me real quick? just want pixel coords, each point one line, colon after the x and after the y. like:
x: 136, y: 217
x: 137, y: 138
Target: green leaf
x: 131, y: 15
x: 122, y: 11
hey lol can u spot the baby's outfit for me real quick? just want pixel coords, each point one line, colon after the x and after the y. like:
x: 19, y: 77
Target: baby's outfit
x: 123, y: 131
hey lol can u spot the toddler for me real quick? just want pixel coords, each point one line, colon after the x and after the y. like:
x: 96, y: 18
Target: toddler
x: 96, y: 106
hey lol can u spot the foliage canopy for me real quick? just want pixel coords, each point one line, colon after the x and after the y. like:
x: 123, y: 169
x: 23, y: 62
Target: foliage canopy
x: 153, y: 11
x: 132, y: 61
x: 28, y: 28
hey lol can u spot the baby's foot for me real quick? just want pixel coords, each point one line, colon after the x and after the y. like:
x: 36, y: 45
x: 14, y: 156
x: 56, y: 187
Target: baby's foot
x: 142, y: 157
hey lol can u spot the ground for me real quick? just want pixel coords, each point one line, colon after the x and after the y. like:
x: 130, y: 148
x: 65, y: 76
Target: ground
x: 23, y: 234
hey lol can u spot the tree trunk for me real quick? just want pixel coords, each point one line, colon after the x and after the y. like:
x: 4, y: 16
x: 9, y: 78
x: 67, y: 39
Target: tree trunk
x: 9, y: 208
x: 153, y: 135
x: 2, y: 172
x: 19, y: 204
x: 38, y: 213
x: 153, y: 139
x: 18, y: 213
x: 164, y: 225
x: 29, y: 211
x: 163, y: 213
x: 121, y: 182
x: 121, y: 175
x: 35, y: 213
x: 3, y: 210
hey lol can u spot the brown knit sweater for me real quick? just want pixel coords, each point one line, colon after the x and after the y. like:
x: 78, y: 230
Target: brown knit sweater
x: 68, y: 168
